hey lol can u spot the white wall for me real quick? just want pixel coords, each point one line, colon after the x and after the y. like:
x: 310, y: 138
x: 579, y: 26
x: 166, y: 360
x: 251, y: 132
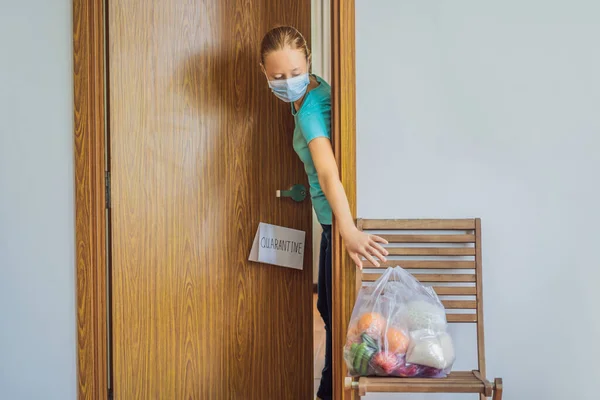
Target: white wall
x: 492, y: 109
x: 37, y: 277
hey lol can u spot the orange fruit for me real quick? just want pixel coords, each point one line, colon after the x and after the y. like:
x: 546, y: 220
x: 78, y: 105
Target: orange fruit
x: 373, y: 323
x: 397, y: 341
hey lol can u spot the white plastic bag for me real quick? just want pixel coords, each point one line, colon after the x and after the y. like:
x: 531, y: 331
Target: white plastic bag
x: 398, y: 328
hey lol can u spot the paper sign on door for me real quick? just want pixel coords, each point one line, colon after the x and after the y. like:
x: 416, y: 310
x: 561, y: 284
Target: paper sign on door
x: 277, y: 245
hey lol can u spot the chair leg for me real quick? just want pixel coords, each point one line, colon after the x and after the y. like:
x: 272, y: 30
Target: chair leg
x: 497, y: 389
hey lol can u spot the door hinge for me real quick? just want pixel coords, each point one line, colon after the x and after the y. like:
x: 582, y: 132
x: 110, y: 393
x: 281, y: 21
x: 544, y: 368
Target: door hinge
x: 107, y: 188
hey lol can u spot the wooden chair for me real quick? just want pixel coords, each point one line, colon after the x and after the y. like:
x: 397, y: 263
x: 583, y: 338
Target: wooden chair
x: 445, y: 254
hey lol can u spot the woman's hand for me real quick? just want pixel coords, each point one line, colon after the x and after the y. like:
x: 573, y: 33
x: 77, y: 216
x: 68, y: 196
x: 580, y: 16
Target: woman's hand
x: 359, y: 244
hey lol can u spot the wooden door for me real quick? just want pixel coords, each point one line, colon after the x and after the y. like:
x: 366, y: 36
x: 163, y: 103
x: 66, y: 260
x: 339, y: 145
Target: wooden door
x: 198, y: 147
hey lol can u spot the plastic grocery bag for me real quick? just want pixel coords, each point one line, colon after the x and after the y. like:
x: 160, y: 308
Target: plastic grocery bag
x: 398, y: 328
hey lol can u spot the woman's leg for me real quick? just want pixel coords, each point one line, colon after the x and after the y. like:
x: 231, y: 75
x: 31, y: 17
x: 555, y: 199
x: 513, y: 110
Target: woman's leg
x: 324, y: 294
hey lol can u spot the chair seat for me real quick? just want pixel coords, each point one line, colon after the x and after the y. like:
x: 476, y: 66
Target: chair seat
x: 455, y: 382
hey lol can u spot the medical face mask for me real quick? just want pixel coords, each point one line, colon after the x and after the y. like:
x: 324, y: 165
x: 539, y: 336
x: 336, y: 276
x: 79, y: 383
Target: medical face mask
x: 290, y: 90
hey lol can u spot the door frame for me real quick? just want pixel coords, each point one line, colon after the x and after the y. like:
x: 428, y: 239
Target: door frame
x: 90, y: 143
x: 90, y: 114
x: 343, y: 132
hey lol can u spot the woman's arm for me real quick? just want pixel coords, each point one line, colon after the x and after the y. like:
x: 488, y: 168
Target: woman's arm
x: 357, y: 243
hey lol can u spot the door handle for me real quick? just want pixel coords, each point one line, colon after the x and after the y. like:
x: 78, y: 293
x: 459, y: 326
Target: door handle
x: 296, y: 192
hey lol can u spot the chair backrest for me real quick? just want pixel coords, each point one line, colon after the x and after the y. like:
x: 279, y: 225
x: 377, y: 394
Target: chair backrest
x: 442, y: 253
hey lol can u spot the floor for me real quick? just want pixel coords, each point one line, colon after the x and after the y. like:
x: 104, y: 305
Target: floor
x: 319, y: 343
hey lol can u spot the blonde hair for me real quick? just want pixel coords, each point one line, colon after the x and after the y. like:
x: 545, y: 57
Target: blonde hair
x: 281, y: 37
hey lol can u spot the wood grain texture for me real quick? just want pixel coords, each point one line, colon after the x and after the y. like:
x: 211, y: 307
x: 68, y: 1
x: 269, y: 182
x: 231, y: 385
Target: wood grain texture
x: 344, y: 140
x: 423, y: 264
x: 488, y: 387
x: 455, y: 290
x: 456, y: 382
x: 479, y: 284
x: 419, y: 224
x: 452, y: 290
x: 498, y: 388
x: 471, y: 311
x: 461, y: 318
x: 90, y: 229
x: 199, y: 146
x: 429, y: 238
x: 459, y: 304
x: 431, y: 251
x: 372, y: 277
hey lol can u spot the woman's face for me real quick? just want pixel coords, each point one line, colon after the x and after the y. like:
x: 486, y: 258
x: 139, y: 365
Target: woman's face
x: 285, y: 63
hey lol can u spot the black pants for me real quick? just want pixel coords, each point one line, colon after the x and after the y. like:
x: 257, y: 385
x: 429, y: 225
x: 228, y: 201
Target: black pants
x: 324, y: 294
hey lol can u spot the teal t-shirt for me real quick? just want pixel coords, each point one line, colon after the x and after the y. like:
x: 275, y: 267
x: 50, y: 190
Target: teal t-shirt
x: 313, y: 120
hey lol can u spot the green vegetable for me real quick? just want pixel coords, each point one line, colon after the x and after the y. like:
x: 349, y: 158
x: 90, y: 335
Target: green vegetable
x: 363, y: 362
x: 370, y: 342
x: 364, y: 366
x: 358, y: 357
x: 362, y: 358
x: 368, y: 356
x: 352, y: 353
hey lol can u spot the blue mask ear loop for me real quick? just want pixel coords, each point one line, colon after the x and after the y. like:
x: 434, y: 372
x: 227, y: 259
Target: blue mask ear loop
x: 265, y: 72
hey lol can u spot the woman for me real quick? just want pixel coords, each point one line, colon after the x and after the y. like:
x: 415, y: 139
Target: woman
x: 285, y: 61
